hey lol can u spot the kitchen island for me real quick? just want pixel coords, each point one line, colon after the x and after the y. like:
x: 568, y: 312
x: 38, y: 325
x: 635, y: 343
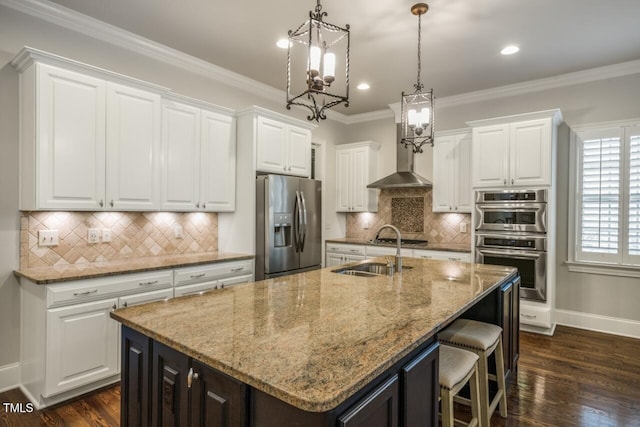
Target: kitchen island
x: 311, y: 349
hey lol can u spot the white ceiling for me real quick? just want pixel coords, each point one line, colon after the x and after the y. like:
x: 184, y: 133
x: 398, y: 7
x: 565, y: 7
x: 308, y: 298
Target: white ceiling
x: 461, y: 39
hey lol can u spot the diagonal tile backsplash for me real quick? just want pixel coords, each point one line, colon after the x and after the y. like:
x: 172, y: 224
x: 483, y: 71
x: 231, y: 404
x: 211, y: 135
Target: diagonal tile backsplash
x: 410, y: 210
x: 134, y: 235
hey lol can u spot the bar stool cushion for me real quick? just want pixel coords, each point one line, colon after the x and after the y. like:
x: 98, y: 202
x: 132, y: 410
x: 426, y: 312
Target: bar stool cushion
x: 454, y: 365
x: 471, y: 334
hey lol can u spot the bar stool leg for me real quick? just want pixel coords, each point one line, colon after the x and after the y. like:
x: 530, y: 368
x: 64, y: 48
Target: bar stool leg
x: 475, y: 398
x: 447, y: 408
x: 483, y: 395
x: 500, y: 374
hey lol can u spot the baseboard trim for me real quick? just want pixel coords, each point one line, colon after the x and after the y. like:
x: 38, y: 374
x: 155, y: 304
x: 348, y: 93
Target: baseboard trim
x: 9, y: 376
x: 594, y: 322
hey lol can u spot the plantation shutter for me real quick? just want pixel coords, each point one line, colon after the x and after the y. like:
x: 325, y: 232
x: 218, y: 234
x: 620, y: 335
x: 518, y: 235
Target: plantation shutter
x: 634, y: 194
x: 599, y: 227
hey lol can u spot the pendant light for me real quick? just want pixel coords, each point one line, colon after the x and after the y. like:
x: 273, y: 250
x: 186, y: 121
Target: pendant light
x: 316, y: 49
x: 417, y: 107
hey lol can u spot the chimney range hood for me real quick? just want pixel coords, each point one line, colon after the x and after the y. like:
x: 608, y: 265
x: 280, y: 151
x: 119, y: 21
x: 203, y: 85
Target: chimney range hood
x: 404, y: 177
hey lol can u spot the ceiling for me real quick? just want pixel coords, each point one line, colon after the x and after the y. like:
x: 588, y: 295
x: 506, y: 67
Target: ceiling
x: 461, y: 39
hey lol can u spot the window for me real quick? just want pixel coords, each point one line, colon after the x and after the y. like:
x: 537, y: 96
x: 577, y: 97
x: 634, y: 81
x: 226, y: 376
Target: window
x: 606, y: 206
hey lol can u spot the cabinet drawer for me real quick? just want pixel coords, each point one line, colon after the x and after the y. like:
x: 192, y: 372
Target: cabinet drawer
x: 195, y: 288
x: 135, y: 299
x: 188, y: 275
x: 535, y: 316
x: 345, y: 249
x: 92, y: 289
x: 236, y: 280
x: 373, y: 251
x: 442, y: 255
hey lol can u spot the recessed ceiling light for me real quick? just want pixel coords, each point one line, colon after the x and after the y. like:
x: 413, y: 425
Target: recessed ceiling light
x: 510, y: 50
x: 363, y: 86
x: 283, y: 43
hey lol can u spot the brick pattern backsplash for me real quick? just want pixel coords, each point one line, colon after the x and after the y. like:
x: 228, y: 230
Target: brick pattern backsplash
x: 437, y: 227
x: 134, y: 235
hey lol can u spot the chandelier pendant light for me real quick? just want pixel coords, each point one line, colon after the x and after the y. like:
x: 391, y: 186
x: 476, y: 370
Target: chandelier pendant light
x: 417, y: 107
x: 315, y: 51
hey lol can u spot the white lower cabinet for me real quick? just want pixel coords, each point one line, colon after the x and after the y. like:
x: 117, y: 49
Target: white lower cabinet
x: 82, y: 345
x: 200, y: 279
x: 442, y: 255
x: 337, y: 254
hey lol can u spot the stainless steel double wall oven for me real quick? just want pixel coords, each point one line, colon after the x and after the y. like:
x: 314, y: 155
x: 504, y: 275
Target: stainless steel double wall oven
x: 511, y: 229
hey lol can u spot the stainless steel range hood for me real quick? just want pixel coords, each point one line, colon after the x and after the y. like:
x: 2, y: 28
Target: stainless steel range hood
x: 404, y: 177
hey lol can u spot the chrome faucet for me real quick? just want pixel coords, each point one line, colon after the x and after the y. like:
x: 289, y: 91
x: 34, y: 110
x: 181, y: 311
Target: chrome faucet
x: 398, y: 242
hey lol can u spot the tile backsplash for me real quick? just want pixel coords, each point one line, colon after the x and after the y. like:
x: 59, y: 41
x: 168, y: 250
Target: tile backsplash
x: 134, y: 235
x: 410, y: 210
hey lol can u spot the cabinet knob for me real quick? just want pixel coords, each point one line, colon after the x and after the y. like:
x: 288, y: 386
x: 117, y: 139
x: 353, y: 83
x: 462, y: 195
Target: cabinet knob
x: 113, y: 307
x: 449, y: 207
x: 101, y: 203
x: 125, y: 304
x: 198, y: 205
x: 111, y: 203
x: 204, y: 206
x: 289, y: 168
x: 456, y: 208
x: 511, y: 181
x: 284, y: 168
x: 505, y: 182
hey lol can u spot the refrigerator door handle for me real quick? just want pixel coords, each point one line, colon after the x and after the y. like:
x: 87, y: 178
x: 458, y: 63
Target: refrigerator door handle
x: 297, y: 222
x: 304, y: 222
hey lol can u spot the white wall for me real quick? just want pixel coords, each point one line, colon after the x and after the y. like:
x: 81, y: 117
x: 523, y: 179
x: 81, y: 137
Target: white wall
x: 18, y: 30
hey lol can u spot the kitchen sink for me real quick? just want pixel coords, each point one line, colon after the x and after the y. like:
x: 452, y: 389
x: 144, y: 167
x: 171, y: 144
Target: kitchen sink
x: 367, y: 269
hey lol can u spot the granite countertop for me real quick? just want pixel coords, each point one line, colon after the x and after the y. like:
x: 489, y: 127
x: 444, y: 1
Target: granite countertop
x: 453, y: 247
x: 53, y: 274
x: 313, y: 339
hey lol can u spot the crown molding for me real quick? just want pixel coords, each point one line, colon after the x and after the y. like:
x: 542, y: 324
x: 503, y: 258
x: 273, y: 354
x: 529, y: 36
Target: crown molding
x: 594, y: 74
x: 75, y: 21
x: 554, y: 114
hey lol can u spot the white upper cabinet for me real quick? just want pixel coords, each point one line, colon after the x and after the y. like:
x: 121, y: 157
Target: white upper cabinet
x: 282, y: 148
x: 199, y: 152
x: 133, y: 148
x: 93, y: 140
x: 356, y: 166
x: 63, y: 140
x: 514, y: 151
x: 451, y: 172
x: 217, y: 162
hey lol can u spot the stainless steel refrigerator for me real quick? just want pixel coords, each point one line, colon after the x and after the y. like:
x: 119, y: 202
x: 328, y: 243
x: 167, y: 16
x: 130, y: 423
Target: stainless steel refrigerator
x: 288, y: 225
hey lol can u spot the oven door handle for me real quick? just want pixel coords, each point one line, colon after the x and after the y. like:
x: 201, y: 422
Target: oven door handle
x: 516, y: 207
x: 512, y: 254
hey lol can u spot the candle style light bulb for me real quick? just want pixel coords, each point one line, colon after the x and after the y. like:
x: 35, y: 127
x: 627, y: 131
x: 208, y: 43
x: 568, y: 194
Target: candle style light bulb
x: 412, y: 118
x: 314, y: 60
x: 329, y: 70
x: 424, y: 117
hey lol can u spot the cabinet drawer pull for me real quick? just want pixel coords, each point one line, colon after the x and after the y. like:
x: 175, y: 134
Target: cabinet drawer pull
x: 196, y: 276
x: 454, y: 259
x: 111, y: 203
x: 153, y: 282
x: 125, y: 304
x: 101, y: 203
x: 204, y: 206
x: 426, y: 256
x: 511, y: 181
x: 505, y: 182
x: 353, y: 250
x: 528, y: 316
x: 237, y: 269
x: 191, y: 376
x: 81, y: 294
x: 113, y: 307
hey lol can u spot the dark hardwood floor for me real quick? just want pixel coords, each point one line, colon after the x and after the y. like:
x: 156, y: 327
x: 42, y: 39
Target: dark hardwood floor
x: 575, y: 378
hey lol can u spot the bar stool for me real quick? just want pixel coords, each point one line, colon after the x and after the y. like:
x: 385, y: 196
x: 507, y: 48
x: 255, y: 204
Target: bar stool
x: 457, y: 367
x: 482, y: 339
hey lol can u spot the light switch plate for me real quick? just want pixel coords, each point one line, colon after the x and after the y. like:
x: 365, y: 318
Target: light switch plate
x: 47, y: 237
x: 106, y: 235
x: 463, y: 227
x: 178, y: 232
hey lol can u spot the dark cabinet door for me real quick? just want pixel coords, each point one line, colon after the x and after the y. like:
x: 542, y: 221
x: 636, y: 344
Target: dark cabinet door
x: 420, y: 389
x: 510, y: 301
x: 216, y: 399
x: 169, y: 394
x: 378, y: 409
x: 135, y: 384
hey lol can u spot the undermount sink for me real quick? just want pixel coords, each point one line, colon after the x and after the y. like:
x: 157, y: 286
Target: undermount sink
x: 367, y: 269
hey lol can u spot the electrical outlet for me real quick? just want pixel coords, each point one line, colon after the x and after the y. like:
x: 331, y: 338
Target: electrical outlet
x: 366, y: 225
x: 106, y: 235
x: 463, y: 227
x: 93, y: 235
x: 177, y: 231
x: 47, y: 237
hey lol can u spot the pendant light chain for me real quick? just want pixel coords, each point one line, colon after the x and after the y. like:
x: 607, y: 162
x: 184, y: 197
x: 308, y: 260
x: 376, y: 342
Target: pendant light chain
x: 419, y: 85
